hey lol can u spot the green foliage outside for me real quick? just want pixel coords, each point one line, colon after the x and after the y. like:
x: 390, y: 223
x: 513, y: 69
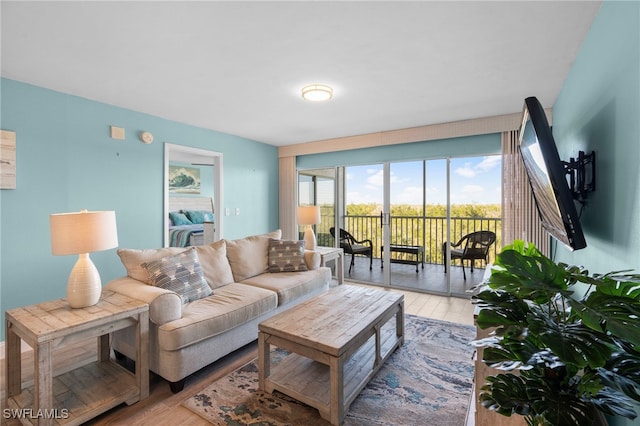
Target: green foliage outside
x: 410, y: 227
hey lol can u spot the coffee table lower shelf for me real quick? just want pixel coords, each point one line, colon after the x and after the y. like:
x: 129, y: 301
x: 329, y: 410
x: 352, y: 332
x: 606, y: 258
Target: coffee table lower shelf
x: 309, y: 381
x: 81, y: 394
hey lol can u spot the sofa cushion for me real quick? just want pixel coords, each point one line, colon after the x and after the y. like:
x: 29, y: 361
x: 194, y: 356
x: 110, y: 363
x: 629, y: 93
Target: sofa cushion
x: 286, y: 256
x: 215, y: 265
x: 230, y: 306
x: 249, y: 256
x: 291, y: 285
x: 133, y: 259
x: 180, y: 273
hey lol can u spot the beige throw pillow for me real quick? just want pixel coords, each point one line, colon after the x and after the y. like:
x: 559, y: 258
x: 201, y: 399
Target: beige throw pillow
x: 215, y: 265
x: 249, y: 256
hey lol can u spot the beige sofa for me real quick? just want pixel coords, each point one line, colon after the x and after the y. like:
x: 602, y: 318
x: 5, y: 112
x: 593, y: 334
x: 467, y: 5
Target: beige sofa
x: 184, y: 337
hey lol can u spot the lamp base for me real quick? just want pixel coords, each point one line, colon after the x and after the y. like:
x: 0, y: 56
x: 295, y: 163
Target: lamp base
x: 309, y: 239
x: 84, y: 286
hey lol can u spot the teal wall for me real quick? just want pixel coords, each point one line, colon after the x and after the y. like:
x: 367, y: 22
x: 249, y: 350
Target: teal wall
x: 66, y: 161
x: 454, y: 147
x: 599, y: 109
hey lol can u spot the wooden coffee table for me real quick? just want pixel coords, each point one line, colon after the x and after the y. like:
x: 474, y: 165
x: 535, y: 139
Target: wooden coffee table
x: 337, y: 342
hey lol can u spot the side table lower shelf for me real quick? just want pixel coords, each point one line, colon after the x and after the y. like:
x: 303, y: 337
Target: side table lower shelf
x: 82, y: 394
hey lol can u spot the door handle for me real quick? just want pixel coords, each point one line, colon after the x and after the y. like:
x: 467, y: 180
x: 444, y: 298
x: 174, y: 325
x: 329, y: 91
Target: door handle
x: 385, y: 218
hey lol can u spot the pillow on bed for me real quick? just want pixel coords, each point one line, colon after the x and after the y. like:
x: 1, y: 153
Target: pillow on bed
x: 179, y: 219
x: 180, y: 273
x: 199, y: 216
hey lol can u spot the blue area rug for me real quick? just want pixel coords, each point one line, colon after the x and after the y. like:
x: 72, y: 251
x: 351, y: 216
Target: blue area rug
x: 427, y: 381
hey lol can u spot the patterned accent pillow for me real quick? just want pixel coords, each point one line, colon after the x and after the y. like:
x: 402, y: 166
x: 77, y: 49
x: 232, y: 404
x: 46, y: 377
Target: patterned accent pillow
x: 180, y: 273
x: 286, y: 256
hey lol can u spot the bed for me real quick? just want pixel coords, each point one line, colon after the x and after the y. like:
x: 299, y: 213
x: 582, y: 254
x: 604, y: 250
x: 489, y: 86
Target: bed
x: 191, y: 221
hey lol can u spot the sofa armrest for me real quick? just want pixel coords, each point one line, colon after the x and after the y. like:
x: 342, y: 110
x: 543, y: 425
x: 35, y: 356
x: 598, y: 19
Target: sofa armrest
x: 164, y: 305
x: 312, y: 259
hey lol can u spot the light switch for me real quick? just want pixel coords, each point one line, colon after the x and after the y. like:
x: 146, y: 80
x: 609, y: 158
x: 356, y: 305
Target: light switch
x: 237, y: 211
x: 227, y: 212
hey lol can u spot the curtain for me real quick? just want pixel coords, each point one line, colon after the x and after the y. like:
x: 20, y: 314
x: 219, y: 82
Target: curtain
x: 520, y: 219
x: 288, y: 198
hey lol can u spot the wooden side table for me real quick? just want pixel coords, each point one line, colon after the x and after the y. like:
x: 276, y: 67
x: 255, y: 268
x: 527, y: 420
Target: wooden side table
x: 81, y: 394
x: 333, y: 253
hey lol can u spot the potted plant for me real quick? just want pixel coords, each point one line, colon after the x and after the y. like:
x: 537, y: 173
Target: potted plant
x: 568, y: 342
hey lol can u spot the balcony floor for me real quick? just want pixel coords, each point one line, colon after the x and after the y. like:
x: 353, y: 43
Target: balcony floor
x: 431, y: 279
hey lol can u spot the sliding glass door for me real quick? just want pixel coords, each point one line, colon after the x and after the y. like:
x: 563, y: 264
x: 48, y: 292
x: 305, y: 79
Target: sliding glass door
x: 317, y: 187
x: 407, y: 212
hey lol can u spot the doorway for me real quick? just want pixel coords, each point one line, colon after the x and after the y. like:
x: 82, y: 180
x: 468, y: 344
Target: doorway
x: 410, y: 209
x: 197, y: 157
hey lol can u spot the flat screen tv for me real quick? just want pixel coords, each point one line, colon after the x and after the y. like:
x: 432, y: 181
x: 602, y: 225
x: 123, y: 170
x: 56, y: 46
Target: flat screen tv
x: 548, y: 178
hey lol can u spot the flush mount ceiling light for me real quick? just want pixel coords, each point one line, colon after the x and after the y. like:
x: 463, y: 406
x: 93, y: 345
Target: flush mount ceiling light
x: 317, y: 92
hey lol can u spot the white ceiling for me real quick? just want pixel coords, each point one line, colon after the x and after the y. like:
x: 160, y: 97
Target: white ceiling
x: 237, y: 67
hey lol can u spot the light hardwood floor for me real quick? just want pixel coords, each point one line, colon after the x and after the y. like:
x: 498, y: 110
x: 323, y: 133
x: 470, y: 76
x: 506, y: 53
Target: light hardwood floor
x: 164, y: 408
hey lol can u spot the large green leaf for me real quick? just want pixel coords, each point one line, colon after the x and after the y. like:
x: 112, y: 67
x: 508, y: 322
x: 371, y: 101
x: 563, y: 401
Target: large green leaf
x: 572, y: 343
x: 505, y: 394
x: 560, y: 407
x: 498, y: 308
x: 614, y: 403
x: 534, y: 277
x: 622, y: 373
x: 611, y: 313
x: 509, y: 353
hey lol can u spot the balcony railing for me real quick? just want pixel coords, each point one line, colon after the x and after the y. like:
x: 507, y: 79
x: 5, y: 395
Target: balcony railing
x: 427, y: 231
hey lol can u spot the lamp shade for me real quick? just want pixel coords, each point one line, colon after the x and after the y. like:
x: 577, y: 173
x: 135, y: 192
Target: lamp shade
x: 83, y: 232
x: 308, y: 215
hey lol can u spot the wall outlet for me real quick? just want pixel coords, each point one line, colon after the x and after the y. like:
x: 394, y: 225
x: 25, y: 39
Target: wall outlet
x: 237, y: 211
x: 227, y: 212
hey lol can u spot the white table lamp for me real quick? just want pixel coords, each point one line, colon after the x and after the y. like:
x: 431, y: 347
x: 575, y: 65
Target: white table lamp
x: 309, y: 215
x: 82, y: 233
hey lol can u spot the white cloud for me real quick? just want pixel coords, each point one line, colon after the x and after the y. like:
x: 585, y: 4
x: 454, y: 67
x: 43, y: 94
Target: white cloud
x: 466, y: 171
x: 486, y: 165
x: 409, y: 195
x: 489, y: 163
x: 375, y: 179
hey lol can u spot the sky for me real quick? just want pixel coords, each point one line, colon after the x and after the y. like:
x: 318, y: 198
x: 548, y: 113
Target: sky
x: 474, y: 180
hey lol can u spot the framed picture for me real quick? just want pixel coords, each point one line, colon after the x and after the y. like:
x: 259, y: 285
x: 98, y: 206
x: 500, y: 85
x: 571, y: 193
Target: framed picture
x: 184, y: 180
x: 7, y: 159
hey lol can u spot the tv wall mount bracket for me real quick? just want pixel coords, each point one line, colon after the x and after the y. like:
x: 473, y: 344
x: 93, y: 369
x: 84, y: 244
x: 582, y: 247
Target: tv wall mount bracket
x: 581, y: 174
